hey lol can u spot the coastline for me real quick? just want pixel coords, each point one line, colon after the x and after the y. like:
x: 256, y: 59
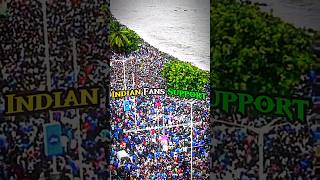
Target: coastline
x: 179, y: 28
x: 144, y: 43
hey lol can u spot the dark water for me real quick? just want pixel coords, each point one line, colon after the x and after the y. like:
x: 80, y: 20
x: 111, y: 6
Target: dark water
x: 301, y: 13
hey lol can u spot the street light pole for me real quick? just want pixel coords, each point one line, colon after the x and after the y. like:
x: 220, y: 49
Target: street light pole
x: 76, y: 74
x: 191, y: 103
x: 124, y: 75
x: 47, y: 62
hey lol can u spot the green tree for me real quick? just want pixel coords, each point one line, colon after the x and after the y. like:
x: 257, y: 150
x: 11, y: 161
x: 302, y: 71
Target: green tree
x: 184, y: 76
x: 122, y: 39
x: 118, y: 36
x: 255, y: 51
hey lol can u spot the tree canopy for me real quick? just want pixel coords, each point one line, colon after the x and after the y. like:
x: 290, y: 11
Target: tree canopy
x: 184, y: 76
x: 122, y: 39
x: 254, y: 51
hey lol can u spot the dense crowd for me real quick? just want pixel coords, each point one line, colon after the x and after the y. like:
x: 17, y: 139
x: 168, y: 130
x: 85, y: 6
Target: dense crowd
x: 234, y: 154
x: 77, y: 50
x: 155, y: 133
x: 289, y: 152
x: 22, y: 57
x: 288, y: 148
x: 138, y: 69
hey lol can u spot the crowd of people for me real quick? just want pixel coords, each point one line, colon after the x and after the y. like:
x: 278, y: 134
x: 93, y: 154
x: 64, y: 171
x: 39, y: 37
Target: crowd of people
x: 72, y: 41
x: 22, y: 48
x: 234, y: 154
x: 155, y: 132
x: 288, y: 148
x: 289, y: 152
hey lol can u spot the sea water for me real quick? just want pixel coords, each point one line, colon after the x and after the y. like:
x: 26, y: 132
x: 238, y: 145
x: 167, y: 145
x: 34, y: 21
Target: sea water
x: 301, y: 13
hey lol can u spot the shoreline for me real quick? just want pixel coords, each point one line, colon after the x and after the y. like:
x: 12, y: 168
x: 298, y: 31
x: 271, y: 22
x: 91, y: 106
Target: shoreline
x: 165, y: 55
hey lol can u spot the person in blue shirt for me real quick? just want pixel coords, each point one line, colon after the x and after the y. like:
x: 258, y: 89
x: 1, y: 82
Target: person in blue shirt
x: 164, y: 154
x: 150, y: 156
x: 171, y: 109
x: 74, y: 167
x: 163, y: 176
x: 312, y: 76
x: 157, y: 155
x: 201, y: 142
x: 127, y: 167
x: 3, y: 142
x: 171, y: 154
x: 195, y: 143
x: 176, y: 140
x: 116, y: 135
x: 126, y: 140
x: 130, y: 123
x: 305, y: 164
x: 132, y: 145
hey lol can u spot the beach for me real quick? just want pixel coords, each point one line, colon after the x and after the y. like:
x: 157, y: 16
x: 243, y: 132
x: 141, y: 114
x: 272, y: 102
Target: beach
x: 179, y: 28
